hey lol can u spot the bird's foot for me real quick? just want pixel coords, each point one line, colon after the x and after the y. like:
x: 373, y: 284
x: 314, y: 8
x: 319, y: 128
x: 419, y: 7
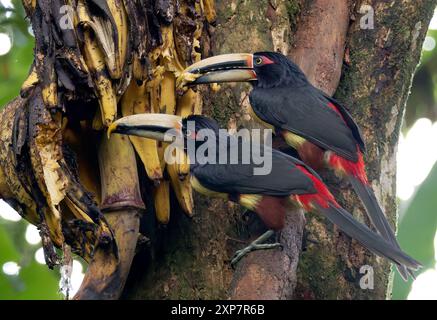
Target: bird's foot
x: 255, y: 246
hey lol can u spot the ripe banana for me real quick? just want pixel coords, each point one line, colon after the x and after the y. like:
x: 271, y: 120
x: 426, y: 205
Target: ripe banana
x: 208, y: 7
x: 153, y: 88
x: 50, y: 91
x: 182, y: 189
x: 135, y: 101
x: 31, y: 81
x: 183, y: 165
x: 102, y: 84
x: 29, y: 6
x: 110, y: 26
x: 112, y: 33
x: 167, y: 103
x: 95, y: 61
x: 190, y: 103
x: 141, y: 70
x: 118, y: 12
x: 161, y: 196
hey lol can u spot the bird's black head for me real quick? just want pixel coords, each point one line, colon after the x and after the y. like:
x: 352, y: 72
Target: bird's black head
x: 200, y: 123
x: 262, y: 69
x: 273, y: 69
x: 192, y: 125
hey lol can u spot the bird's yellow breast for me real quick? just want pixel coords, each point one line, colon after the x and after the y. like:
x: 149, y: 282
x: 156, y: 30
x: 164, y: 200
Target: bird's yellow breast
x: 205, y: 191
x: 250, y: 201
x: 293, y: 139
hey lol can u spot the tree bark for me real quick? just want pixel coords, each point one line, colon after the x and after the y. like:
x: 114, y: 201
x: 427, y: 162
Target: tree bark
x: 376, y: 68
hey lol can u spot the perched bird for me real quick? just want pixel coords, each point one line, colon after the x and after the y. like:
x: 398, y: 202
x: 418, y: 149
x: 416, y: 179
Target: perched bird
x: 317, y: 126
x: 289, y: 182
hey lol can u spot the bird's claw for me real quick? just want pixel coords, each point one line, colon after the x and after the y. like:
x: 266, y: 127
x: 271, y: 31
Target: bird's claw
x: 240, y: 254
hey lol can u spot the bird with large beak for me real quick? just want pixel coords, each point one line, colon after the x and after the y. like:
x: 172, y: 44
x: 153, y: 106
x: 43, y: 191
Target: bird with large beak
x: 289, y: 183
x: 317, y: 126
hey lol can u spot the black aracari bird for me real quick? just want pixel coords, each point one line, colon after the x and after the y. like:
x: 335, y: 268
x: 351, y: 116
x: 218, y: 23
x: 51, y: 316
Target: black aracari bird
x: 317, y: 126
x: 290, y: 182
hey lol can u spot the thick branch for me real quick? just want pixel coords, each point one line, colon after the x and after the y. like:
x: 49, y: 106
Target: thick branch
x: 377, y: 74
x: 320, y: 41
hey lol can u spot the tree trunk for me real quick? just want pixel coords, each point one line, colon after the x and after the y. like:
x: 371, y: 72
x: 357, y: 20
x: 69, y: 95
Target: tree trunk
x: 369, y: 69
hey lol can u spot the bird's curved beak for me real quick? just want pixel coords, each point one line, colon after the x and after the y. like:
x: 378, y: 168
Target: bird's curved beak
x: 161, y: 127
x: 236, y: 67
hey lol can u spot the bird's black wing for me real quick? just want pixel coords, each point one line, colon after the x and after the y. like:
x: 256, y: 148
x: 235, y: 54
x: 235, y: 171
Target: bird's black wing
x: 305, y: 111
x: 284, y: 179
x: 349, y: 120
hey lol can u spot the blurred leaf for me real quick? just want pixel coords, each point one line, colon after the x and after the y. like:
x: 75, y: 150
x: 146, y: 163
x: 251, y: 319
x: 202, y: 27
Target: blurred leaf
x: 15, y: 65
x: 35, y: 281
x: 423, y: 100
x: 421, y: 103
x: 8, y: 252
x: 417, y: 231
x: 14, y: 68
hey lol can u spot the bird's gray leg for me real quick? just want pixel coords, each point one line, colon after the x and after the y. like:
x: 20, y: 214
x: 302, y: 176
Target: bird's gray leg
x: 258, y: 244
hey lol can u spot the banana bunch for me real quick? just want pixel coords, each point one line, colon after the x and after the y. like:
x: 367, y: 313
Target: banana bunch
x: 160, y: 95
x: 41, y: 181
x: 47, y: 160
x: 104, y: 49
x: 56, y: 168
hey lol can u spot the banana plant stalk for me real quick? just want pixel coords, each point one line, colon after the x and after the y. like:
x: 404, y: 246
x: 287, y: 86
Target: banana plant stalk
x: 122, y: 206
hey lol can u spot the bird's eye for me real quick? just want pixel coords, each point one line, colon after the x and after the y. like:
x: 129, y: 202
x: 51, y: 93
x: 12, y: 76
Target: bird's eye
x: 259, y: 61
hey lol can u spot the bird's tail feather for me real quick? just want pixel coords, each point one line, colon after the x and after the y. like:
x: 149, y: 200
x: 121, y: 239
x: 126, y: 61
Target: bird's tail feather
x: 374, y: 242
x: 378, y: 218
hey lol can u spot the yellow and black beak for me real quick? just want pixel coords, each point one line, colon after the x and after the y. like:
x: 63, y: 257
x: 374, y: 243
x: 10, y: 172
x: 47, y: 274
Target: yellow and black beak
x: 236, y: 67
x: 161, y: 127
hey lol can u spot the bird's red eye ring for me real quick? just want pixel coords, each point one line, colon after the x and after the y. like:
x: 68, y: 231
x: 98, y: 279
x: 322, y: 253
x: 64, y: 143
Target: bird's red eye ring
x: 191, y: 134
x: 263, y: 61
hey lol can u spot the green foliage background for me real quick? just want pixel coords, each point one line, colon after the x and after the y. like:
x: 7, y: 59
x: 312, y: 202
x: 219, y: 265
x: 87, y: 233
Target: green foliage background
x: 35, y: 281
x: 417, y: 227
x: 418, y: 223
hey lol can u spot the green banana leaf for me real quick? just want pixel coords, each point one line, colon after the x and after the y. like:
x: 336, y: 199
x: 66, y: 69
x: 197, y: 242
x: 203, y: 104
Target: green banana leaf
x: 417, y: 231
